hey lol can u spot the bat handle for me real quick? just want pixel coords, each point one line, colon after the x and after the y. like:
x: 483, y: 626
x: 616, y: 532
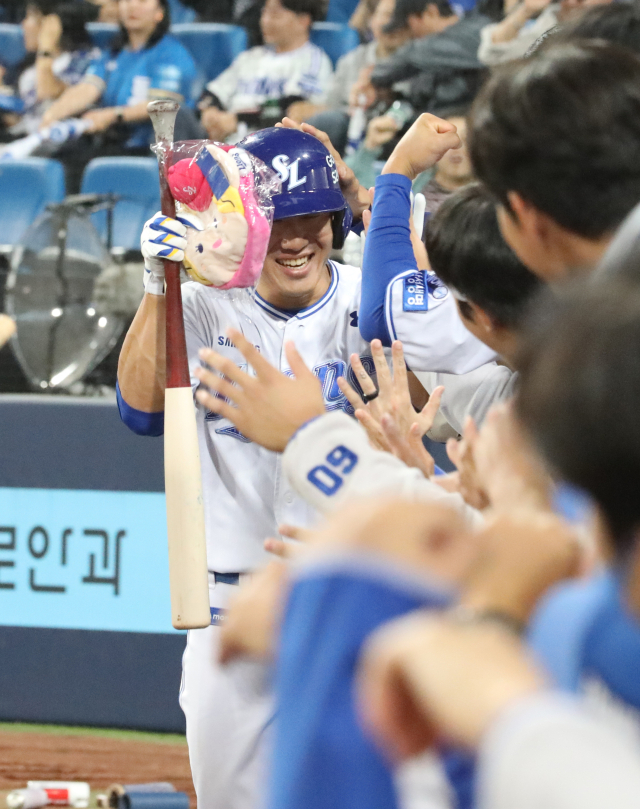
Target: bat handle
x: 163, y: 115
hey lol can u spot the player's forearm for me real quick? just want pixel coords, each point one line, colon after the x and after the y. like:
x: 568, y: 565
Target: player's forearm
x: 142, y: 364
x: 74, y: 100
x: 387, y: 253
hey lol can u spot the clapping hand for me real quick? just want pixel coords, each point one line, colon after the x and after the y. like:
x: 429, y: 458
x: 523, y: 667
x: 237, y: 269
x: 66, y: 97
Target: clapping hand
x: 391, y: 422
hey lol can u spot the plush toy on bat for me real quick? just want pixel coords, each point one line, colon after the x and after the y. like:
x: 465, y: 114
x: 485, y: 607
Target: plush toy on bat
x: 224, y: 199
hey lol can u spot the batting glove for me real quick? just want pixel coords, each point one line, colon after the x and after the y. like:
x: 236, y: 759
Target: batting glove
x: 162, y: 237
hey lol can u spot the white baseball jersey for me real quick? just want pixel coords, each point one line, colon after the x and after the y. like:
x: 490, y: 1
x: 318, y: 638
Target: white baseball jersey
x: 421, y: 312
x: 245, y: 491
x: 261, y: 74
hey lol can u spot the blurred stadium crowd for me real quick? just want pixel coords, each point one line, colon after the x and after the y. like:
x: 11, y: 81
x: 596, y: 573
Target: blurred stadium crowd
x: 76, y: 77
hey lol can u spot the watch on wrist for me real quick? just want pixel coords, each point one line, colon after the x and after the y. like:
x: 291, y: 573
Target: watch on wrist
x: 469, y: 616
x: 44, y: 55
x: 119, y: 115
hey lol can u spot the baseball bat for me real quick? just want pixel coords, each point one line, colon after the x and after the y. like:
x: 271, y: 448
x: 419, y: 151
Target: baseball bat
x: 182, y: 476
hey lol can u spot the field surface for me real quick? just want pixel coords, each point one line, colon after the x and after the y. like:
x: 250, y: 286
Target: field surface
x: 101, y: 757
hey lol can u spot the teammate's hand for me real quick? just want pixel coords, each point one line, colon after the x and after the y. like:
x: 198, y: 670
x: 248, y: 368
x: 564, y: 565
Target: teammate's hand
x: 288, y: 550
x: 509, y: 467
x: 521, y: 553
x: 391, y: 421
x: 267, y: 408
x: 461, y: 455
x: 253, y: 616
x: 357, y: 196
x: 162, y: 238
x: 419, y: 149
x: 424, y: 677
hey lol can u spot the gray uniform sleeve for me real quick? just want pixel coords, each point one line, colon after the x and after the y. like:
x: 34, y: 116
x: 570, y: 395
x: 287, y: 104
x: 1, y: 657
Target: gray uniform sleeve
x: 471, y: 394
x: 330, y: 461
x: 548, y: 752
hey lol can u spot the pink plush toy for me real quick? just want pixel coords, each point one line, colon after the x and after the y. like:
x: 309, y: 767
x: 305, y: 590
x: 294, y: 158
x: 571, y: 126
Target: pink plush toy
x: 228, y: 229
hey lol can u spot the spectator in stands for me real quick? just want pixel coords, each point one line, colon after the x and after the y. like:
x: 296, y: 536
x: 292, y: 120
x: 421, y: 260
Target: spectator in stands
x: 107, y: 10
x: 144, y: 62
x: 262, y: 83
x: 556, y: 139
x: 441, y: 61
x: 245, y: 13
x: 453, y: 171
x: 58, y: 53
x: 527, y: 22
x: 333, y: 117
x: 361, y: 18
x: 615, y: 22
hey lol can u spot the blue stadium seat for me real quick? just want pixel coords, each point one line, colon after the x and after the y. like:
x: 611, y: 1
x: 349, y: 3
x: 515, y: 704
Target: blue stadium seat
x: 213, y: 45
x: 11, y: 44
x: 26, y: 188
x: 334, y: 38
x: 135, y: 181
x: 180, y: 13
x: 341, y: 10
x: 102, y: 33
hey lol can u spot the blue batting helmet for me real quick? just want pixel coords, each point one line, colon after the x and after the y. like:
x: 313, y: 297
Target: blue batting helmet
x: 309, y: 176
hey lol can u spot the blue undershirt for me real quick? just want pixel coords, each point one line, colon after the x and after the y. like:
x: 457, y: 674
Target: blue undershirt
x: 138, y: 421
x: 387, y: 252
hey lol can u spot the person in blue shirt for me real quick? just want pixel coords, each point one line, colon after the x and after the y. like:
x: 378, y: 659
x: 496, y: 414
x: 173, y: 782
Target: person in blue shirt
x: 143, y: 62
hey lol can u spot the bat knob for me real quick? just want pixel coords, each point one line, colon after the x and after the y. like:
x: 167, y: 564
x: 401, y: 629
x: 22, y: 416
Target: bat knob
x: 163, y: 113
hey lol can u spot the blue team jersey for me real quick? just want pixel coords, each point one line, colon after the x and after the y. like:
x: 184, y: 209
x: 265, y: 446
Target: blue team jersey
x: 322, y: 758
x: 130, y: 77
x: 589, y: 642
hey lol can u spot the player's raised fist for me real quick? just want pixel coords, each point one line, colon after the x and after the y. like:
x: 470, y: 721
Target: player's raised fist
x: 428, y: 139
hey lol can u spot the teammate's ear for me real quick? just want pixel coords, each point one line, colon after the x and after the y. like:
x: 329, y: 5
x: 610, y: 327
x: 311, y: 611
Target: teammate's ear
x: 483, y: 320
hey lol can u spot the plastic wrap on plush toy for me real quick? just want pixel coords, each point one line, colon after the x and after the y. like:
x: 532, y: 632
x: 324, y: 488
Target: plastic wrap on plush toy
x: 223, y: 195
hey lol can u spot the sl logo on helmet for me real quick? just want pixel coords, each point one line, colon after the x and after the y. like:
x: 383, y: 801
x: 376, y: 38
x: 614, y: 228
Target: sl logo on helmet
x: 286, y: 172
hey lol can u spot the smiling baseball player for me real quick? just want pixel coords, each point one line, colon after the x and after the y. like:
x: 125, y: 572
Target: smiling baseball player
x: 301, y: 296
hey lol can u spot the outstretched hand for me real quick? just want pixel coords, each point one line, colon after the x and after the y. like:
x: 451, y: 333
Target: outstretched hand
x: 357, y: 196
x: 267, y: 408
x: 391, y: 422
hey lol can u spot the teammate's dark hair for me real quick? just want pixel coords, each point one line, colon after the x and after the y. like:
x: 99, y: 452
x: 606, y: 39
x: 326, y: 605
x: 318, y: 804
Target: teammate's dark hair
x: 316, y: 9
x: 617, y: 23
x: 562, y: 128
x: 579, y: 390
x: 121, y: 39
x: 444, y: 7
x: 467, y: 252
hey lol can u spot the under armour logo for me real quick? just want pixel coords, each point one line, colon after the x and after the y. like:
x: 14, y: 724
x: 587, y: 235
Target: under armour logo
x: 354, y: 319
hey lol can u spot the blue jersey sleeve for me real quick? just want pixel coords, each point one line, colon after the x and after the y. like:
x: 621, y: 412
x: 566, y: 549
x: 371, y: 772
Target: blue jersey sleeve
x: 387, y: 252
x: 138, y: 421
x: 322, y: 757
x: 98, y: 68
